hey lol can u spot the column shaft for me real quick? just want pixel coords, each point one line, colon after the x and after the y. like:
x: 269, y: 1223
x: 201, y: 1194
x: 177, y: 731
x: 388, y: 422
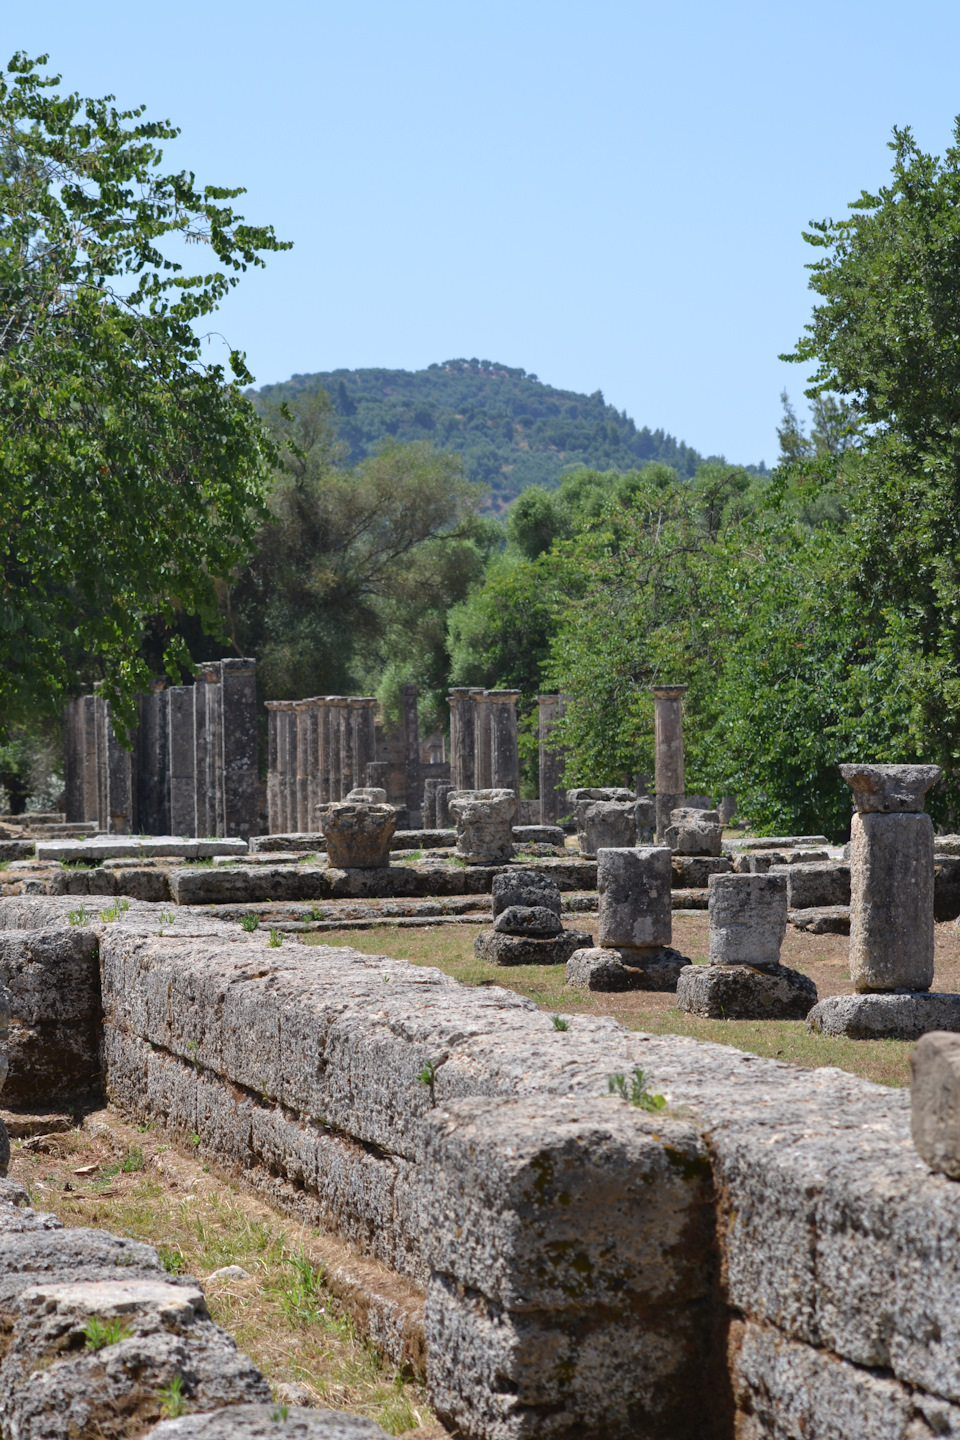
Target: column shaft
x: 239, y: 727
x: 504, y: 754
x: 668, y: 740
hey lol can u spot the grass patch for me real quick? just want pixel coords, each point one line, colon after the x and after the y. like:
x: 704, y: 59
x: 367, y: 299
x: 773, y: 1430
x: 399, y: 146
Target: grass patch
x: 451, y: 950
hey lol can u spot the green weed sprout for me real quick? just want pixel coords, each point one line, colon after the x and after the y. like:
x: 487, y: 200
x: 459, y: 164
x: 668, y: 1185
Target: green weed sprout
x: 559, y: 1023
x: 98, y: 1334
x: 173, y: 1402
x: 638, y: 1093
x: 276, y: 938
x: 250, y: 922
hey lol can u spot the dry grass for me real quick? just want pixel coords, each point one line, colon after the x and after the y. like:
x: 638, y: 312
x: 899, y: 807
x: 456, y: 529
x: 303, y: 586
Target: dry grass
x: 281, y: 1315
x: 823, y: 957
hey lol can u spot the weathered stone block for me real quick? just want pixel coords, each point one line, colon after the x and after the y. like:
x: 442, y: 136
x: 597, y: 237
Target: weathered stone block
x: 264, y: 1422
x: 809, y: 885
x: 367, y: 795
x: 548, y: 1306
x: 528, y: 920
x: 739, y: 992
x: 56, y: 1022
x: 634, y: 897
x: 891, y: 900
x: 358, y: 835
x: 748, y: 919
x: 605, y: 824
x: 694, y: 871
x: 946, y: 886
x: 691, y: 815
x: 822, y: 920
x: 882, y: 1016
x: 524, y: 887
x: 935, y: 1100
x: 499, y: 949
x: 890, y: 789
x: 694, y: 838
x: 538, y: 835
x: 484, y: 825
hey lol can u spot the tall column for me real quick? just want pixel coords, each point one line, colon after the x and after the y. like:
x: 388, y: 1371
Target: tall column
x: 504, y: 755
x: 411, y: 741
x: 288, y: 766
x: 274, y: 825
x: 366, y: 735
x: 335, y: 704
x: 463, y: 737
x: 153, y: 763
x: 324, y: 743
x: 239, y: 729
x: 103, y: 813
x: 482, y: 759
x: 668, y: 740
x: 182, y: 774
x: 91, y: 797
x: 347, y: 746
x: 553, y: 795
x: 119, y: 780
x: 73, y: 759
x: 301, y: 711
x: 309, y: 820
x: 209, y: 749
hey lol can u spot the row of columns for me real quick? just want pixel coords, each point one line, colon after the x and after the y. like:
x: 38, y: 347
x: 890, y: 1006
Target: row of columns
x: 318, y: 752
x: 192, y: 766
x: 483, y: 739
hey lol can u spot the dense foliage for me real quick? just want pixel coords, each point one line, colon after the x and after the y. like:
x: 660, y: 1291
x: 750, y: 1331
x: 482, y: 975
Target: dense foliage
x: 512, y: 430
x: 133, y: 473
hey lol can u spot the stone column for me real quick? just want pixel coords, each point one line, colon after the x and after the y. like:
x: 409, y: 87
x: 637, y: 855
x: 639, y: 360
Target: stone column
x: 504, y: 754
x: 668, y: 739
x: 119, y: 781
x: 274, y: 808
x: 411, y: 743
x: 309, y: 820
x: 202, y: 738
x: 324, y: 742
x: 463, y: 737
x: 287, y: 767
x: 73, y: 759
x: 552, y: 791
x: 348, y: 747
x: 376, y: 775
x: 891, y: 877
x: 91, y: 798
x: 182, y: 774
x: 239, y: 724
x: 301, y: 721
x: 366, y: 735
x: 483, y: 757
x: 334, y: 705
x: 153, y: 763
x: 209, y: 749
x: 748, y: 919
x: 636, y: 916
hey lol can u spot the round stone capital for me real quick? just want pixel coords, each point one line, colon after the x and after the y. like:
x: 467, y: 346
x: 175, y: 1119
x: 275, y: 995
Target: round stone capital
x: 669, y: 692
x: 890, y: 789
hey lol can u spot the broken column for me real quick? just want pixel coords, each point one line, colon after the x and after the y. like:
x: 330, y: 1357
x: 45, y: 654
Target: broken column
x: 444, y: 794
x: 366, y: 744
x: 484, y: 821
x: 504, y: 753
x: 182, y: 775
x: 552, y: 792
x: 527, y: 929
x: 358, y: 834
x: 482, y: 757
x: 606, y: 817
x: 463, y: 737
x: 891, y: 911
x: 636, y: 924
x: 241, y: 809
x: 744, y: 979
x: 668, y: 741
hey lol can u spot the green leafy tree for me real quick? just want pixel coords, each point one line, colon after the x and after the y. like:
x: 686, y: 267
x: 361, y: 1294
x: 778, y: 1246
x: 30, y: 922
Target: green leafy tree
x: 134, y: 475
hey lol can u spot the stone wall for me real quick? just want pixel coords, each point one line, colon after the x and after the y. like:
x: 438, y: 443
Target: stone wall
x: 767, y: 1257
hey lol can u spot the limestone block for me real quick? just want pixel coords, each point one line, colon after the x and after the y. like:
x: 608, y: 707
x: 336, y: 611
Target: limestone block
x: 891, y: 899
x: 748, y: 919
x: 809, y: 885
x: 599, y: 792
x: 694, y: 838
x: 549, y: 1313
x: 935, y: 1100
x: 890, y: 789
x: 694, y: 871
x: 594, y: 968
x: 690, y: 815
x: 538, y: 835
x: 52, y: 978
x: 822, y: 920
x: 946, y: 886
x: 17, y: 849
x: 367, y: 795
x: 358, y: 835
x: 524, y: 886
x: 739, y: 992
x: 484, y: 825
x: 605, y: 824
x: 528, y: 920
x: 246, y: 884
x: 499, y: 949
x: 879, y: 1016
x: 265, y: 1422
x: 634, y: 897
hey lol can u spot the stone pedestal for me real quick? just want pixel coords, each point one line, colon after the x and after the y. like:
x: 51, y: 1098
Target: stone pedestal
x: 739, y: 992
x: 636, y: 922
x: 527, y: 929
x: 748, y: 919
x: 668, y: 740
x: 484, y: 825
x: 358, y: 835
x: 891, y: 902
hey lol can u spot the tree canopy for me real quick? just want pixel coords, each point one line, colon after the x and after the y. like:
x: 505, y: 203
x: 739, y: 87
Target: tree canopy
x: 134, y: 474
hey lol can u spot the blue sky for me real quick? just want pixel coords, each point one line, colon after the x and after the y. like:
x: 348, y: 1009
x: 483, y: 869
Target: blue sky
x: 611, y: 195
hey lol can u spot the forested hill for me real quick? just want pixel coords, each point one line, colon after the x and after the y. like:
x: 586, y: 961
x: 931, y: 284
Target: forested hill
x: 512, y: 430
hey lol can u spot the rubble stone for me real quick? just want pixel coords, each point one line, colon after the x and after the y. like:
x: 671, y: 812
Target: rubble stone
x: 935, y: 1101
x: 358, y: 835
x: 694, y: 871
x: 741, y: 992
x: 748, y: 920
x: 822, y: 920
x: 524, y: 887
x: 885, y: 1016
x: 528, y: 920
x: 498, y: 949
x: 484, y: 825
x: 694, y: 838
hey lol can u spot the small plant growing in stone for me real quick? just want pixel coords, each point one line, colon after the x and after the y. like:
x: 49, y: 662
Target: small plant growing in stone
x: 638, y: 1091
x: 167, y: 917
x: 172, y: 1259
x: 559, y: 1023
x: 276, y: 938
x: 428, y: 1074
x: 173, y: 1402
x: 316, y: 913
x: 98, y: 1333
x: 194, y: 1138
x: 279, y: 1413
x: 250, y: 922
x: 78, y: 917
